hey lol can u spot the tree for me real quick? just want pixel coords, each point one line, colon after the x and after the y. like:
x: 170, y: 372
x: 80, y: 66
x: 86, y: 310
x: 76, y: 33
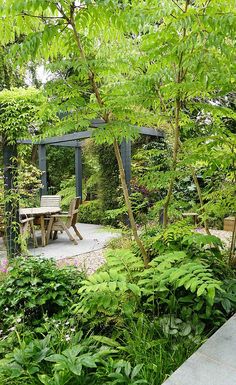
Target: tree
x: 186, y: 59
x: 73, y: 31
x: 139, y: 62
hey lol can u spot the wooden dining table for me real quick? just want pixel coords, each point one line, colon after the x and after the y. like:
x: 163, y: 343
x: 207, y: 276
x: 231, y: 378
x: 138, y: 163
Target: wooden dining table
x: 40, y: 212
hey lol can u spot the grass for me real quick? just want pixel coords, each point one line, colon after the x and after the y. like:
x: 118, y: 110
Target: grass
x: 144, y: 343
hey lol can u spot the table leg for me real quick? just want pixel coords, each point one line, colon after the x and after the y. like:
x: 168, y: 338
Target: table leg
x: 43, y: 233
x: 49, y: 229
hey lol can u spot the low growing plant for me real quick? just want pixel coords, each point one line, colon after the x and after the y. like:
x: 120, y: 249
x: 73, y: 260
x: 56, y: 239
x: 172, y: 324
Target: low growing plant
x: 34, y: 287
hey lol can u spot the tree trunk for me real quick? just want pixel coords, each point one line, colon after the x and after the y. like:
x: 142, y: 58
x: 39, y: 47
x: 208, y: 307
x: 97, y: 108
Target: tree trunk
x: 200, y: 198
x: 95, y: 88
x: 128, y: 204
x: 181, y: 73
x: 174, y: 163
x: 232, y: 259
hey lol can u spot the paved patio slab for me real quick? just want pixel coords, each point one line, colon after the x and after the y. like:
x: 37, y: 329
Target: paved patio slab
x: 214, y: 363
x: 95, y: 237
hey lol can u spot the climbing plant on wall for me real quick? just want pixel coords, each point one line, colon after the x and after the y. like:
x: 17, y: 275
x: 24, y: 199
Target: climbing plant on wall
x: 18, y: 111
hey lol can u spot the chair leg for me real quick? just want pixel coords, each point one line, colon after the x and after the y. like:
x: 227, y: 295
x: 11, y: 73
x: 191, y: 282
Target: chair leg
x: 33, y: 234
x: 77, y: 232
x: 69, y: 234
x: 23, y: 228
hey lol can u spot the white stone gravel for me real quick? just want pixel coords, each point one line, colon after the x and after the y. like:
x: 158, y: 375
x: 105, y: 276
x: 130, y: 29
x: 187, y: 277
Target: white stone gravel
x: 225, y: 236
x: 88, y: 262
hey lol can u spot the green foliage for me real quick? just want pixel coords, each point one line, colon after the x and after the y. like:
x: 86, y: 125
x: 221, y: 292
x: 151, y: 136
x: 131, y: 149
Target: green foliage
x: 144, y: 63
x: 158, y: 354
x: 175, y: 272
x: 19, y: 110
x: 67, y: 192
x: 188, y: 270
x: 36, y: 286
x: 113, y: 291
x: 9, y: 77
x: 50, y: 362
x: 180, y: 236
x: 28, y: 183
x: 119, y: 217
x: 60, y: 167
x: 91, y: 212
x: 148, y: 166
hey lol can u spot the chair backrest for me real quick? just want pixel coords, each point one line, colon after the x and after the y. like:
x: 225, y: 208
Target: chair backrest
x: 73, y: 211
x: 50, y: 201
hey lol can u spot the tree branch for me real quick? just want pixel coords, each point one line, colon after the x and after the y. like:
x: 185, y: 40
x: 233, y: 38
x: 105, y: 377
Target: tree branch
x: 42, y: 17
x: 173, y: 1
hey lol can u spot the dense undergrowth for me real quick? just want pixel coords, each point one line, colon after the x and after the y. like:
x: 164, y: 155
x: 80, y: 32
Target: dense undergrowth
x: 122, y: 325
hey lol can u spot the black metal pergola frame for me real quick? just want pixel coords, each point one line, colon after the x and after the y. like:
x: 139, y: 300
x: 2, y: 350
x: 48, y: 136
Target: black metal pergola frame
x: 75, y: 140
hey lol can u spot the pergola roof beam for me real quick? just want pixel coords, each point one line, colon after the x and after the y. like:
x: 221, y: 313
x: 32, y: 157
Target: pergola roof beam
x: 71, y: 139
x: 72, y: 143
x: 67, y: 137
x: 151, y: 131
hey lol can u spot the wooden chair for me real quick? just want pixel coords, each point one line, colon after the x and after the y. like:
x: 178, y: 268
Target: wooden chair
x: 50, y: 201
x: 56, y: 222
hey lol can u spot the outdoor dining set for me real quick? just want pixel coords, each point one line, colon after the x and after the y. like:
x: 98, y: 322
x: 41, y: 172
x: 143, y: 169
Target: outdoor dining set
x: 50, y: 219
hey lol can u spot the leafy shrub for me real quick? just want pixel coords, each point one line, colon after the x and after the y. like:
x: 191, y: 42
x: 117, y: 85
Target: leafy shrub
x: 182, y: 287
x: 36, y: 286
x: 112, y: 292
x: 180, y: 236
x: 186, y: 284
x: 119, y: 216
x: 67, y: 192
x: 91, y: 212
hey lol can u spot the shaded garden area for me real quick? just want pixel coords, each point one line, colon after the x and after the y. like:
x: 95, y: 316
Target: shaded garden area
x: 168, y: 281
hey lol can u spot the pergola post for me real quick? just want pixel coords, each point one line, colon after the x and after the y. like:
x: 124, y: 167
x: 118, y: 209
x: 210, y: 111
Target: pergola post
x: 43, y: 168
x: 78, y: 171
x: 11, y: 199
x: 125, y: 149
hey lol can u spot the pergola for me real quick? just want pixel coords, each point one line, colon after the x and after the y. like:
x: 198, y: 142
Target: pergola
x: 76, y: 141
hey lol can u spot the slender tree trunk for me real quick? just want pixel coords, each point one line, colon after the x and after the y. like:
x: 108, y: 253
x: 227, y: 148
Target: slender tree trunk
x: 181, y: 72
x: 232, y: 258
x: 95, y: 88
x: 200, y: 198
x: 174, y: 163
x: 128, y: 204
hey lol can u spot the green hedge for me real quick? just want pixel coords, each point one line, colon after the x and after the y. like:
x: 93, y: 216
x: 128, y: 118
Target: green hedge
x: 91, y: 212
